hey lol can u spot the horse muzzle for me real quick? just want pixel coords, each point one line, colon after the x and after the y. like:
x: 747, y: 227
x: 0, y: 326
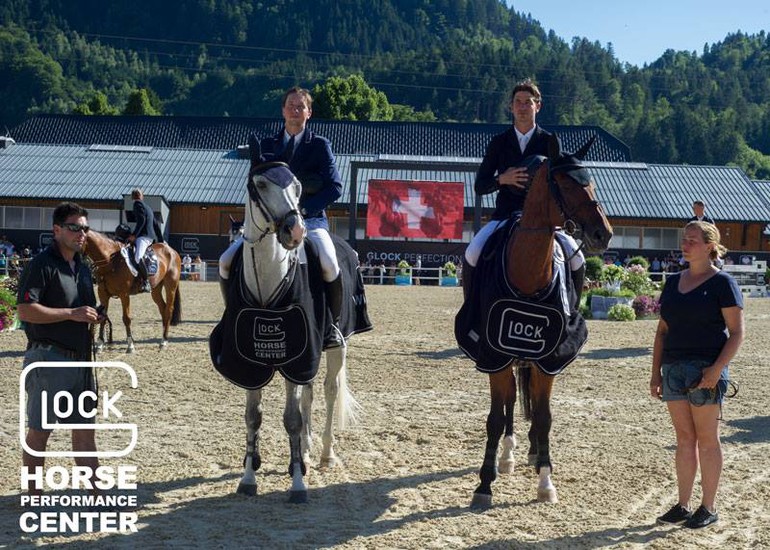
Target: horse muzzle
x: 596, y: 239
x: 292, y: 231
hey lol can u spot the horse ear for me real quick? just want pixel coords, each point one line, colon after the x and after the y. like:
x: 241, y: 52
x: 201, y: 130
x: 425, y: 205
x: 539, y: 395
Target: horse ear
x: 584, y: 149
x: 554, y: 147
x: 255, y: 151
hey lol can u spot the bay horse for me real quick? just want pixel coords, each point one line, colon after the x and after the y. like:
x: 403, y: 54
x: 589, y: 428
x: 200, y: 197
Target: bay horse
x: 561, y: 194
x: 114, y: 279
x: 268, y: 269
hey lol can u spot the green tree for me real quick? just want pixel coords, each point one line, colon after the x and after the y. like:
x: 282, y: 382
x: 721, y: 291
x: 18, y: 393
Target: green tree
x: 28, y: 77
x: 140, y: 103
x: 407, y: 113
x: 350, y: 98
x: 97, y: 105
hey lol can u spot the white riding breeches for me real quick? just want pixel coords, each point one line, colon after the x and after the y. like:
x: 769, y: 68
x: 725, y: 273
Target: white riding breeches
x: 475, y: 247
x: 226, y: 259
x: 140, y: 247
x: 473, y: 251
x: 326, y: 254
x: 328, y: 257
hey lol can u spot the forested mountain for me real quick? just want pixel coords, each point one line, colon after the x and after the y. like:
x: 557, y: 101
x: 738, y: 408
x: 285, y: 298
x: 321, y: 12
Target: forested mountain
x: 448, y: 59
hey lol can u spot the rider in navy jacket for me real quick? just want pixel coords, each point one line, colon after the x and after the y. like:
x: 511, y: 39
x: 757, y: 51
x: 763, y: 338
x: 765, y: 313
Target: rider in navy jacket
x: 143, y: 234
x: 311, y: 160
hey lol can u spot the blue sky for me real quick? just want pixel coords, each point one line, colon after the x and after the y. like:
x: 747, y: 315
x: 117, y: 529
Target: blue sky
x: 641, y: 30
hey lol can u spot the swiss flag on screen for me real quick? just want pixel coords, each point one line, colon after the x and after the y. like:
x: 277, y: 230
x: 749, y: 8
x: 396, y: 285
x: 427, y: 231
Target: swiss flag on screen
x: 415, y: 209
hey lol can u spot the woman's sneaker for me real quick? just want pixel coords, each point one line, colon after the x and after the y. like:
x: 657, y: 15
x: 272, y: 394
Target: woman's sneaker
x: 678, y: 514
x: 701, y: 518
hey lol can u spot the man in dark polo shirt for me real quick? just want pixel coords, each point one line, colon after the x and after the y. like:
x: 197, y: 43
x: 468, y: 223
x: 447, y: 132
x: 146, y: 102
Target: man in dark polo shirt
x: 56, y: 303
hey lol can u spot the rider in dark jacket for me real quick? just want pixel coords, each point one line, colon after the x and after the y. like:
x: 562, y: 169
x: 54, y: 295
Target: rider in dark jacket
x: 143, y: 235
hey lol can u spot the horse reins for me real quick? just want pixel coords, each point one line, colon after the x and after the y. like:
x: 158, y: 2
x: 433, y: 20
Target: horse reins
x: 274, y: 224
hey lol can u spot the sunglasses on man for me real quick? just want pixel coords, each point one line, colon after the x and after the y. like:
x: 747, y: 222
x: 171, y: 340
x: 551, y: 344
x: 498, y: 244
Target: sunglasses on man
x: 74, y: 227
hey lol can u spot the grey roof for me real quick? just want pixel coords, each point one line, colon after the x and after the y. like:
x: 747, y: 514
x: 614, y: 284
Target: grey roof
x: 763, y: 186
x: 644, y: 191
x: 626, y: 190
x: 347, y: 137
x: 74, y: 172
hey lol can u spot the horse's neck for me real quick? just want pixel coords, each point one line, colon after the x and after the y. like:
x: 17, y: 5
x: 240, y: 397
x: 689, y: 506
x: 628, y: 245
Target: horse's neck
x: 265, y: 267
x: 530, y: 252
x: 530, y: 261
x: 103, y: 248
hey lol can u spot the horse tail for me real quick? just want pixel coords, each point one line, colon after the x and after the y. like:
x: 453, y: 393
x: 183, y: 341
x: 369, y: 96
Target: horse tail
x: 524, y: 374
x: 347, y: 409
x: 176, y: 315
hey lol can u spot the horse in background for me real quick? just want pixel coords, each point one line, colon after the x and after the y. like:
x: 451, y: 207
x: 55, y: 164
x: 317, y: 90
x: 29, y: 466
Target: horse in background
x: 263, y: 330
x: 561, y: 194
x: 114, y: 279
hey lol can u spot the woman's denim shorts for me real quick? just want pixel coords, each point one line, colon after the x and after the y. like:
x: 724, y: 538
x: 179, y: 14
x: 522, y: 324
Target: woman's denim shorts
x: 679, y: 377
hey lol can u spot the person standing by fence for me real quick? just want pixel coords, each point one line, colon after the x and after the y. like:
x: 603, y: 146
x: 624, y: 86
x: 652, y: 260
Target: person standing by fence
x: 699, y: 332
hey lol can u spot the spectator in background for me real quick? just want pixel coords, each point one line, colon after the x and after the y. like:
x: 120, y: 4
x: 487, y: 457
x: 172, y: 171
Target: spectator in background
x: 197, y: 268
x: 5, y: 244
x: 186, y: 266
x: 699, y: 212
x: 417, y: 270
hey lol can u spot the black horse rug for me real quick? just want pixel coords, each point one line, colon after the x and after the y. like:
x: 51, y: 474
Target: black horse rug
x: 250, y: 342
x: 497, y: 325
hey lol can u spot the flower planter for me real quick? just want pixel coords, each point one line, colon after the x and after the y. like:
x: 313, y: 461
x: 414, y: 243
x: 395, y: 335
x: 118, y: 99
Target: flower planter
x: 600, y: 305
x: 403, y: 280
x: 448, y: 281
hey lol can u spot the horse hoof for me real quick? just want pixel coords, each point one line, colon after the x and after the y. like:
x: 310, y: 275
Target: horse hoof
x: 505, y: 467
x: 547, y: 495
x: 330, y: 462
x: 129, y: 351
x: 163, y: 344
x: 481, y: 501
x: 297, y: 497
x: 248, y: 490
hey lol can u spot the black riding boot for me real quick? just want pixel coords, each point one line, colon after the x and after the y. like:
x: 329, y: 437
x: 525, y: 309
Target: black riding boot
x: 578, y: 279
x: 224, y: 288
x: 467, y: 278
x: 334, y: 293
x: 143, y: 277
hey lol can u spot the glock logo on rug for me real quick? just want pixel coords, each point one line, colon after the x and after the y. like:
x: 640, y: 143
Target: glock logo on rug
x: 271, y: 337
x: 268, y: 329
x: 524, y: 330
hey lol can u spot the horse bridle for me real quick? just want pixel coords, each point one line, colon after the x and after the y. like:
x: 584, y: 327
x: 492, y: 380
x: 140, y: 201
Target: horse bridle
x: 274, y: 222
x: 570, y: 227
